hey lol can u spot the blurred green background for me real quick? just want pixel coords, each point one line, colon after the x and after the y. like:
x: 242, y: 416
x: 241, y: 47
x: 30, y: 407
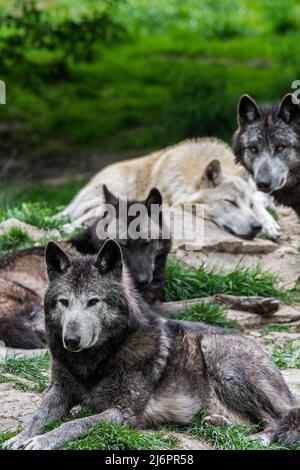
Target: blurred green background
x: 91, y: 81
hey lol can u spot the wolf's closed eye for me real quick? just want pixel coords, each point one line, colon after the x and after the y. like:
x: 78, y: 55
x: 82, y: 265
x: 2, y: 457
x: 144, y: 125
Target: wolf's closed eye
x: 92, y: 302
x: 233, y: 203
x: 64, y: 302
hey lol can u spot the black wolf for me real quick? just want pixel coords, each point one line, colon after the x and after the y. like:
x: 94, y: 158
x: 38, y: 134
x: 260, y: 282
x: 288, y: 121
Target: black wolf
x: 111, y: 352
x: 267, y: 144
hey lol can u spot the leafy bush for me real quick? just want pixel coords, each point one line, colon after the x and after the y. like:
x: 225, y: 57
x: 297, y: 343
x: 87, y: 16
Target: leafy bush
x: 30, y: 28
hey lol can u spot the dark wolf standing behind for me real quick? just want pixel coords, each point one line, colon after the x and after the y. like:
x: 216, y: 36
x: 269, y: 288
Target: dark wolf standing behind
x: 110, y: 352
x: 267, y: 144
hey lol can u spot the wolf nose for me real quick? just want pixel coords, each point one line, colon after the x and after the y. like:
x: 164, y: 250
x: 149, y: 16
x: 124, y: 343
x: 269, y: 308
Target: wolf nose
x: 72, y: 341
x: 143, y: 280
x: 264, y: 184
x: 256, y: 226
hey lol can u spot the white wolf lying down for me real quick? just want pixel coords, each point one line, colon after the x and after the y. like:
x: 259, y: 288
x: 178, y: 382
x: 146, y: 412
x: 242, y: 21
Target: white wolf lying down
x: 194, y: 171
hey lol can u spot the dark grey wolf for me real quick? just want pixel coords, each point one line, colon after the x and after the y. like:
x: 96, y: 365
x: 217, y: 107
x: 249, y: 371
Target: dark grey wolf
x: 267, y: 144
x: 23, y: 276
x: 110, y: 352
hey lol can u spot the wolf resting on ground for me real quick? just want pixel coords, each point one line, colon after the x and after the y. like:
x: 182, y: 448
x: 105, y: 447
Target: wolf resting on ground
x: 110, y: 352
x: 23, y: 275
x: 267, y: 144
x: 199, y: 171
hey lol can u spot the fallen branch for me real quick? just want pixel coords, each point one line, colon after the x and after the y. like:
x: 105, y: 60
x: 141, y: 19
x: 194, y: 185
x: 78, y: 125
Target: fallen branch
x: 254, y: 304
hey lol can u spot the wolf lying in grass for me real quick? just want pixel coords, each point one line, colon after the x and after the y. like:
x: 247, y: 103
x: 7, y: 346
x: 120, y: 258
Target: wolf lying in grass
x: 110, y: 352
x: 23, y: 276
x: 199, y: 171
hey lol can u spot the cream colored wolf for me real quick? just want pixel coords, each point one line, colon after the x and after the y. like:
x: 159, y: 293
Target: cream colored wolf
x: 194, y: 171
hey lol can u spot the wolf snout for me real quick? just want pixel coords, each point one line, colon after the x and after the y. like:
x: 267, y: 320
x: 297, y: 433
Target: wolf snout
x: 264, y: 184
x: 256, y: 226
x: 144, y: 280
x: 72, y: 342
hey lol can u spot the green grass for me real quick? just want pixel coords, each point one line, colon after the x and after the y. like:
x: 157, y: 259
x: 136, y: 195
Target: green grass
x: 15, y: 239
x: 34, y: 369
x: 39, y: 214
x: 183, y: 283
x: 227, y: 438
x: 110, y: 436
x: 287, y: 357
x: 276, y: 328
x: 207, y: 312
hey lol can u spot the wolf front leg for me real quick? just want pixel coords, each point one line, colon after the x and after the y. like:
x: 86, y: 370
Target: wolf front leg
x: 69, y: 431
x: 55, y: 405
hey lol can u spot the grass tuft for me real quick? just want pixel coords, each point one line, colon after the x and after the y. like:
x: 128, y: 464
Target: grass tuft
x: 227, y: 438
x: 34, y: 213
x: 112, y: 436
x: 184, y: 283
x: 207, y: 312
x: 287, y: 357
x: 14, y: 239
x: 30, y: 368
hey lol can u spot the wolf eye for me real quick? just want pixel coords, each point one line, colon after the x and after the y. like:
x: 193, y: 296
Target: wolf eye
x: 233, y: 203
x: 64, y: 302
x: 253, y: 149
x: 280, y: 147
x: 92, y: 302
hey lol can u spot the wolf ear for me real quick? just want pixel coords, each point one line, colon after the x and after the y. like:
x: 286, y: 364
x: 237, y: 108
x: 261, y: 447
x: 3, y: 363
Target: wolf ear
x: 154, y: 197
x: 110, y: 258
x: 109, y: 197
x: 288, y: 110
x: 212, y: 175
x: 248, y: 111
x: 57, y: 260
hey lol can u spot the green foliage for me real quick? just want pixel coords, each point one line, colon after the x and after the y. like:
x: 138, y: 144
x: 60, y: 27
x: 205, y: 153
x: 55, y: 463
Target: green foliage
x: 111, y: 436
x: 35, y: 369
x: 34, y: 213
x: 183, y: 283
x: 288, y: 356
x: 28, y: 28
x: 207, y: 312
x: 178, y: 73
x: 15, y: 239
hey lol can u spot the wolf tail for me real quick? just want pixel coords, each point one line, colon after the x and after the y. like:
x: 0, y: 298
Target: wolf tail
x: 288, y: 430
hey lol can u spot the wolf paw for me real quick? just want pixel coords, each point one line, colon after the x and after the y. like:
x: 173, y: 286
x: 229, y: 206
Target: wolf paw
x: 16, y: 442
x: 264, y: 437
x: 217, y: 420
x: 38, y: 443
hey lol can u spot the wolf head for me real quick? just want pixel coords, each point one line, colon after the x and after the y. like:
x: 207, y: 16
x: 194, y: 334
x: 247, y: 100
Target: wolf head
x: 267, y: 142
x: 141, y: 253
x: 89, y: 299
x: 229, y: 201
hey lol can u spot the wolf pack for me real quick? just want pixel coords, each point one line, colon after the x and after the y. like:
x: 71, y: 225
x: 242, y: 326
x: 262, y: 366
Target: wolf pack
x: 98, y: 302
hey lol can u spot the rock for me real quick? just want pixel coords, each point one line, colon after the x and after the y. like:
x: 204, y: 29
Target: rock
x: 292, y: 378
x: 214, y: 239
x: 14, y: 352
x: 16, y: 407
x: 187, y: 443
x: 34, y: 232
